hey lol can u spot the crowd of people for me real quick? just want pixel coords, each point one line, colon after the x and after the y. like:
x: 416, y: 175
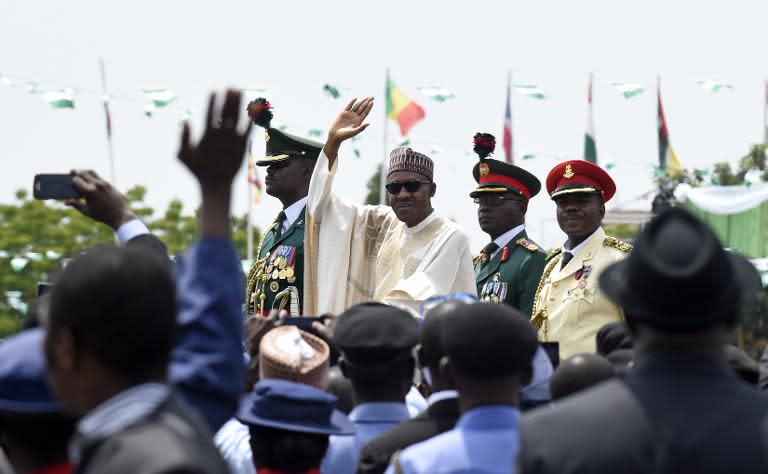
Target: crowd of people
x: 371, y: 341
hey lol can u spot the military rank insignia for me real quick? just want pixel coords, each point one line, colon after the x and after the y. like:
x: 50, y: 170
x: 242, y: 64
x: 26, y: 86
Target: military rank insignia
x: 495, y: 290
x: 505, y: 254
x: 527, y: 245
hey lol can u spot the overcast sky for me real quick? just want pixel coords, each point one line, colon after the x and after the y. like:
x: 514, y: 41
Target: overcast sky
x: 294, y: 47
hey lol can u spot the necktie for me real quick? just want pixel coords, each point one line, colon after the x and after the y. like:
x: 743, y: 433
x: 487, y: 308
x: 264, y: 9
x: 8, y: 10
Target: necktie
x: 487, y: 251
x: 279, y: 221
x: 567, y: 256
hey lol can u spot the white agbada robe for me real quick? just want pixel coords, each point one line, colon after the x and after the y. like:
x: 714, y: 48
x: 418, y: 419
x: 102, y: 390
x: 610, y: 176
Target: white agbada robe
x: 355, y: 253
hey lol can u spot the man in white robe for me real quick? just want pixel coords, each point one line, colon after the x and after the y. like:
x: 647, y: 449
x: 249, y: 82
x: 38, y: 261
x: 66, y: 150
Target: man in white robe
x: 400, y: 254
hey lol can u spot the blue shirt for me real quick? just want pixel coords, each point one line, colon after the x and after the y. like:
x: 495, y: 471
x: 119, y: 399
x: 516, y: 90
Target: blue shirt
x: 485, y: 440
x: 207, y: 363
x: 370, y: 419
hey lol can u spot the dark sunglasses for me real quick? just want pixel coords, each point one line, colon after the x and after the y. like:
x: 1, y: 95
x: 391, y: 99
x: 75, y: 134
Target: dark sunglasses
x: 411, y: 186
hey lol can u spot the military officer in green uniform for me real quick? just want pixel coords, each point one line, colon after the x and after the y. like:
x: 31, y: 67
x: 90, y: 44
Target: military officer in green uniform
x: 276, y: 277
x: 509, y: 267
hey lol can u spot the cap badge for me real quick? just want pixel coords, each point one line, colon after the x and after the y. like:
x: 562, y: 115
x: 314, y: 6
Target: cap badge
x: 484, y: 169
x: 266, y: 136
x: 568, y: 172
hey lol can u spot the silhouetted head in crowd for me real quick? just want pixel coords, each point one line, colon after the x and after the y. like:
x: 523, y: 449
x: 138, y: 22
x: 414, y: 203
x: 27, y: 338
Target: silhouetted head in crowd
x: 376, y: 342
x: 432, y: 350
x: 33, y: 432
x: 341, y: 387
x: 679, y: 289
x: 489, y: 353
x: 37, y: 314
x: 112, y: 325
x: 578, y: 373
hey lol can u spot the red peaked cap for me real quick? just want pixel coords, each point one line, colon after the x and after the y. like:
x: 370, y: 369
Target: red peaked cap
x: 580, y: 176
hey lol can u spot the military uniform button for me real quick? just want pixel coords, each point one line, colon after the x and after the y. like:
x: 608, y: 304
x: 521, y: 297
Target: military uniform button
x: 554, y: 285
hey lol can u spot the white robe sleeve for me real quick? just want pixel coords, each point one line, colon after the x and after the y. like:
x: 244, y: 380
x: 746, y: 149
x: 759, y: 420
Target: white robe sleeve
x: 340, y: 245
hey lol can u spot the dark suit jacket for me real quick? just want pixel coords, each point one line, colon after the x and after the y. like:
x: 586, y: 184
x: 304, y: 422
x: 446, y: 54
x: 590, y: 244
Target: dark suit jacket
x: 150, y: 244
x: 173, y: 439
x: 674, y: 413
x: 438, y: 418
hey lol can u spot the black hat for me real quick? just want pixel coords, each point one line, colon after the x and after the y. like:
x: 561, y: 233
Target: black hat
x: 679, y: 277
x: 487, y: 341
x: 280, y: 145
x: 375, y: 335
x: 494, y: 176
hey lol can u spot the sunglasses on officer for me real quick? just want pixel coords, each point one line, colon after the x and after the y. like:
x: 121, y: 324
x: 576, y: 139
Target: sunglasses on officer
x: 411, y: 186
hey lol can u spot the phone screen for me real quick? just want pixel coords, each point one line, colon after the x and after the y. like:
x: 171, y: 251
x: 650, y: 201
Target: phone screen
x: 54, y: 186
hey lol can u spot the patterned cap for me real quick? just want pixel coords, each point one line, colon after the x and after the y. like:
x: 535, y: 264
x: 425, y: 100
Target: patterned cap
x: 288, y: 353
x: 405, y: 159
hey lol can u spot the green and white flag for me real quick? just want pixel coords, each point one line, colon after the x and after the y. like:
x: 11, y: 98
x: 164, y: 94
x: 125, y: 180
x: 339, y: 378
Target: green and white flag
x: 15, y: 301
x: 52, y: 255
x: 590, y: 150
x: 628, y: 89
x: 18, y: 263
x: 531, y: 90
x: 34, y: 256
x: 332, y: 91
x: 159, y: 97
x: 436, y: 93
x: 714, y: 86
x: 58, y: 98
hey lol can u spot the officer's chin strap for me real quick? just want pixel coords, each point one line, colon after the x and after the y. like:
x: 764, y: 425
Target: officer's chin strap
x: 291, y: 292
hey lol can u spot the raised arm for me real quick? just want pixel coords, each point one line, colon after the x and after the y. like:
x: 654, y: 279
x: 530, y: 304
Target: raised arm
x: 348, y: 124
x: 207, y: 364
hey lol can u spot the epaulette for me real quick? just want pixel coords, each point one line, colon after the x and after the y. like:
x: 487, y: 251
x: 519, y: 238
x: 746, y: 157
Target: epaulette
x: 475, y: 259
x: 616, y: 243
x: 553, y: 253
x: 527, y: 245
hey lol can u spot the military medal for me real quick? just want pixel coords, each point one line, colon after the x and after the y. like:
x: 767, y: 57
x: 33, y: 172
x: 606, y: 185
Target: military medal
x: 274, y: 286
x: 289, y: 272
x: 275, y: 274
x: 291, y: 279
x: 281, y: 274
x: 505, y: 254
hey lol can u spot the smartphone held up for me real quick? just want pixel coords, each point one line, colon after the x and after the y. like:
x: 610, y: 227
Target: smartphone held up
x: 54, y: 186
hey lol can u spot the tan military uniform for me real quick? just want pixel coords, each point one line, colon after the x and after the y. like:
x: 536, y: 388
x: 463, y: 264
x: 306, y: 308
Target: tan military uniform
x: 569, y: 307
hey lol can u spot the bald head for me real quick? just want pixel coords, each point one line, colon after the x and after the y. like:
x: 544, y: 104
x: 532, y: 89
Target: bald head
x: 579, y: 373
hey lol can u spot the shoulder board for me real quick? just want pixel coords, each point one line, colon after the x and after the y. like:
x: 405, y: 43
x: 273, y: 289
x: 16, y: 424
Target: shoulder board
x: 527, y: 245
x: 553, y: 253
x: 475, y: 259
x: 616, y: 243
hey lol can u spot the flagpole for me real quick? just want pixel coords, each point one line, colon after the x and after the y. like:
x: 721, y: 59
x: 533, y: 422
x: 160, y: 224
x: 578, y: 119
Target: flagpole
x: 511, y: 157
x: 765, y: 114
x: 106, y: 98
x: 249, y: 219
x: 385, y: 146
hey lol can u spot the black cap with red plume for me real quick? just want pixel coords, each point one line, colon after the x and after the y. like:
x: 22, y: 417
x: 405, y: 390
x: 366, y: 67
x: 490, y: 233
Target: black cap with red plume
x: 260, y: 112
x: 485, y: 143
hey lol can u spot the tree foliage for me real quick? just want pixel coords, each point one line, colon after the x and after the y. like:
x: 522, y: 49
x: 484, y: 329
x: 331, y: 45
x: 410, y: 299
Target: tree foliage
x: 374, y: 187
x: 43, y: 234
